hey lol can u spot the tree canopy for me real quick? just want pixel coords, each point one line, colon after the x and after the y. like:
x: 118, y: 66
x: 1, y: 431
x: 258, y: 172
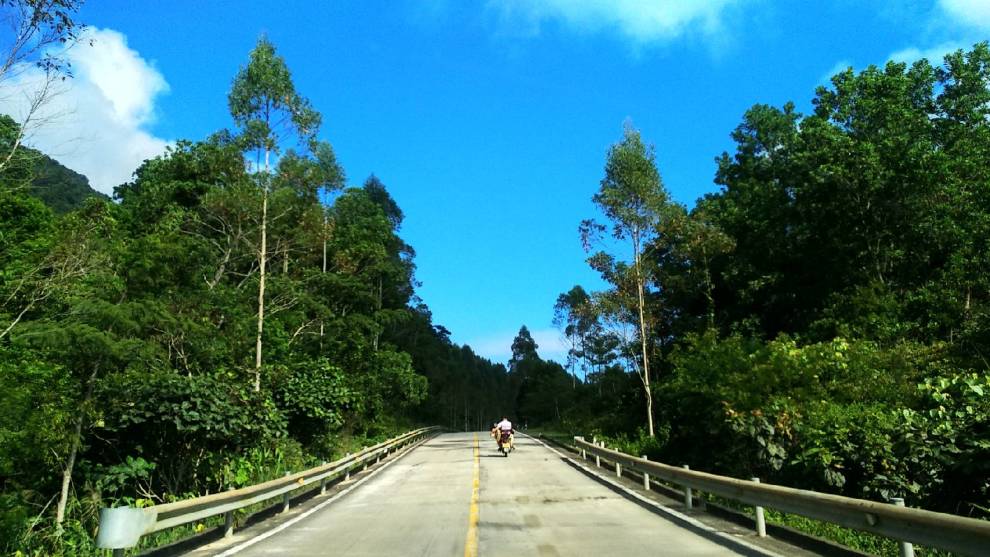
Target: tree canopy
x: 134, y: 367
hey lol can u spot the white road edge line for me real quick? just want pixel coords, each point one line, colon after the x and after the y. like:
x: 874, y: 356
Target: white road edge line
x: 260, y: 537
x: 662, y: 508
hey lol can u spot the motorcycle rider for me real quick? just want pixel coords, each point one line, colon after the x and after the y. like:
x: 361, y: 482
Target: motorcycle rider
x: 503, y: 429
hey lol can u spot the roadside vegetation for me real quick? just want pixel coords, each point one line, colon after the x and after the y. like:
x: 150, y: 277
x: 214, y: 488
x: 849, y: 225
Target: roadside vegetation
x: 822, y: 320
x: 239, y: 309
x: 236, y: 311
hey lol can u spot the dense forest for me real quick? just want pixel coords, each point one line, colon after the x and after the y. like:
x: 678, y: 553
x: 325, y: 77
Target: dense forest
x: 823, y: 319
x: 233, y: 313
x: 237, y: 310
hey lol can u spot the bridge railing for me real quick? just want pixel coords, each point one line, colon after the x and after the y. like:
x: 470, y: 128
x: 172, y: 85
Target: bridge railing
x: 123, y: 527
x: 966, y: 536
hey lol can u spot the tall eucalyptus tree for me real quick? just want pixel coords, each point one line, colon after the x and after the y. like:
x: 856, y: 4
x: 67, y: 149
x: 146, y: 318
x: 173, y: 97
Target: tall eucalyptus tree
x: 633, y: 198
x: 265, y: 105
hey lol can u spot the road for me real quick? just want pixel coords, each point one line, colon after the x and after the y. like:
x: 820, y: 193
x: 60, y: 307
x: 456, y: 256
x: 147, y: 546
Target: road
x: 531, y: 503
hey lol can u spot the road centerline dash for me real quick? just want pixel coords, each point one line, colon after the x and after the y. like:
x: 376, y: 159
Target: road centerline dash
x: 471, y: 543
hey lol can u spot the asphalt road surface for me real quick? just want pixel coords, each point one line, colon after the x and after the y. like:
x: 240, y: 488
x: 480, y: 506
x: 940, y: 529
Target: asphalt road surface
x: 455, y: 495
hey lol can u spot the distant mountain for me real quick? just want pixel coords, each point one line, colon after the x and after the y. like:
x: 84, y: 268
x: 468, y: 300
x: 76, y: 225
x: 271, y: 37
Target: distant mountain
x: 58, y: 187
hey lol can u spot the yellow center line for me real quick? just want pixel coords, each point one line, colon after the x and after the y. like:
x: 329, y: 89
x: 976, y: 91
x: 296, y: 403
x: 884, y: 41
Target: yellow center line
x: 471, y: 544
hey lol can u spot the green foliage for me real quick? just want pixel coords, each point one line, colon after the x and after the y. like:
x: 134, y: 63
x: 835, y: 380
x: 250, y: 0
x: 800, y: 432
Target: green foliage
x: 631, y: 193
x: 946, y: 442
x: 318, y: 392
x: 256, y: 464
x: 127, y: 330
x: 640, y: 443
x: 261, y: 94
x: 58, y: 187
x: 821, y: 321
x: 119, y: 478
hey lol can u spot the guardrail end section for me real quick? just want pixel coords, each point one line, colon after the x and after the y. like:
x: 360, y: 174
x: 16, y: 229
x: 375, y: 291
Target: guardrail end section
x: 122, y: 527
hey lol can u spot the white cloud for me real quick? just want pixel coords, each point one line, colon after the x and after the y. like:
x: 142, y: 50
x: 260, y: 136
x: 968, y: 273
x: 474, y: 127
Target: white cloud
x: 498, y: 347
x: 959, y: 24
x: 971, y: 13
x: 643, y: 21
x: 934, y: 54
x: 96, y: 122
x: 837, y: 68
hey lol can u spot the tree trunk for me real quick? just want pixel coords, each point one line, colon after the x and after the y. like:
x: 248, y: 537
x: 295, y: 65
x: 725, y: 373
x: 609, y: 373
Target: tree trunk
x: 642, y: 334
x: 378, y: 305
x: 709, y: 291
x: 30, y: 305
x: 574, y: 363
x: 73, y: 451
x: 324, y: 272
x: 262, y: 260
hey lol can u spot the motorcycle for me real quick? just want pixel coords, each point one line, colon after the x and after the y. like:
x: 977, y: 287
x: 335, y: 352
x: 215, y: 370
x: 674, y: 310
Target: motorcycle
x: 505, y: 443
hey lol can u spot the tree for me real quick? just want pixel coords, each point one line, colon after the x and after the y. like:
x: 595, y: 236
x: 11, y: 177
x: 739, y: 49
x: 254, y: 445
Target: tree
x: 95, y: 336
x: 523, y: 348
x: 264, y: 103
x: 540, y: 387
x: 573, y: 316
x: 684, y: 255
x: 40, y: 31
x: 633, y: 198
x: 396, y: 272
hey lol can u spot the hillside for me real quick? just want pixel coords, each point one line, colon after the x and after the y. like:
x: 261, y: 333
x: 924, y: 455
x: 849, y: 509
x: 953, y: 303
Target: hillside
x: 59, y: 187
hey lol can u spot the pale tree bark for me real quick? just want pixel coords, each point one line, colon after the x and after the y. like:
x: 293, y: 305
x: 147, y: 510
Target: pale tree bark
x: 30, y: 36
x: 33, y: 40
x: 709, y: 290
x: 326, y: 233
x: 17, y: 319
x: 73, y: 451
x: 378, y: 306
x: 641, y: 302
x: 61, y: 267
x: 263, y: 93
x: 574, y: 362
x: 262, y: 261
x: 33, y: 117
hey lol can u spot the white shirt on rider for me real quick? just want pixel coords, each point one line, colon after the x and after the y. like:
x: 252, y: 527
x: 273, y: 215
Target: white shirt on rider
x: 504, y: 425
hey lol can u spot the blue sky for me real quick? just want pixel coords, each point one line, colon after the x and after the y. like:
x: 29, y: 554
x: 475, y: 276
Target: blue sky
x: 488, y: 121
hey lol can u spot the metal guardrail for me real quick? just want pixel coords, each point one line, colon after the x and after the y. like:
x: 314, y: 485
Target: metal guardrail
x: 123, y: 527
x: 967, y: 536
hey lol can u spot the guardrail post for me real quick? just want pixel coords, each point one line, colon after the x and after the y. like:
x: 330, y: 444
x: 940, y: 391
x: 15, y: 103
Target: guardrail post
x: 228, y: 524
x: 323, y: 482
x: 598, y: 458
x: 618, y: 470
x: 761, y: 523
x: 688, y: 502
x: 285, y: 497
x: 228, y: 520
x: 907, y: 548
x: 646, y: 477
x: 347, y: 472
